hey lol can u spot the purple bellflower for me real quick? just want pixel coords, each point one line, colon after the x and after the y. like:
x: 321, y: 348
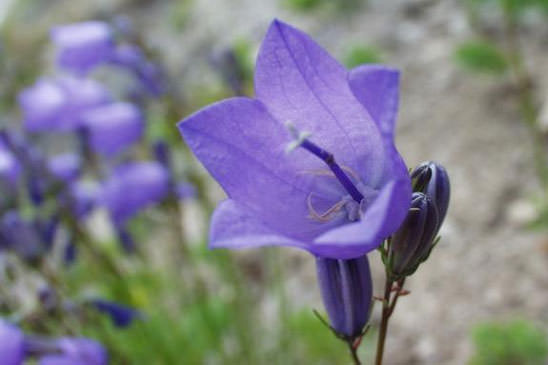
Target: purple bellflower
x: 112, y: 128
x: 56, y: 104
x: 82, y: 46
x: 75, y: 351
x: 12, y: 345
x: 342, y: 190
x: 132, y: 187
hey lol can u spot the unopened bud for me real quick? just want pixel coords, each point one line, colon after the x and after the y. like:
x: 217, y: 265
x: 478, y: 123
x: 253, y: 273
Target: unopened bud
x: 431, y: 179
x: 347, y: 293
x: 415, y: 238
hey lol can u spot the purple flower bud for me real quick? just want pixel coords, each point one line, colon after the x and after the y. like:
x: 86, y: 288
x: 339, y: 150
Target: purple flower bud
x: 162, y: 153
x: 121, y: 315
x: 112, y: 128
x: 414, y: 240
x: 125, y: 239
x: 66, y: 167
x: 431, y: 179
x: 347, y: 293
x: 11, y: 344
x: 82, y: 46
x: 72, y: 351
x: 133, y: 187
x: 56, y: 104
x: 70, y: 252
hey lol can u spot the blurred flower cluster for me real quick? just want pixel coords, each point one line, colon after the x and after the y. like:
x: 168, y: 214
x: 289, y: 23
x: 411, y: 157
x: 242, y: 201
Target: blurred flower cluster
x: 82, y: 148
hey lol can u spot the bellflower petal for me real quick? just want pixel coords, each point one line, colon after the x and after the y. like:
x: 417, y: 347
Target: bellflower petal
x: 299, y: 81
x: 381, y: 218
x: 376, y: 87
x: 233, y: 227
x: 133, y: 187
x: 243, y: 147
x: 112, y: 128
x: 82, y: 46
x: 11, y: 344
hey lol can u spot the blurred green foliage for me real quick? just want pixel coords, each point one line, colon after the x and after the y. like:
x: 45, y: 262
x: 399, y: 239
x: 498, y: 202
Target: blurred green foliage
x: 304, y: 4
x: 359, y: 55
x: 338, y: 5
x: 510, y: 343
x: 481, y: 56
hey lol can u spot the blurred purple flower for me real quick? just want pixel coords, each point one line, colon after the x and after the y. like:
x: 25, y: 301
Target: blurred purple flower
x: 121, y: 315
x: 21, y: 236
x: 112, y: 128
x: 76, y: 351
x: 147, y: 73
x: 82, y: 46
x: 9, y: 166
x: 66, y: 167
x: 83, y: 197
x: 275, y: 198
x: 57, y: 104
x: 133, y: 187
x: 184, y: 190
x: 12, y: 349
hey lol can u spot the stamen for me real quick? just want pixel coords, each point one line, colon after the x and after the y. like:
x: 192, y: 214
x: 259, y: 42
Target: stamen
x: 327, y: 215
x: 323, y: 172
x: 329, y: 160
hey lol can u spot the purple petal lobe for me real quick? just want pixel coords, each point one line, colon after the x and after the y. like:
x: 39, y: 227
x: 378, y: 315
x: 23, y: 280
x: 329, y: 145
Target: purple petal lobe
x: 376, y: 87
x: 11, y: 344
x: 65, y: 167
x: 381, y: 218
x: 299, y: 81
x: 112, y: 128
x: 82, y: 46
x: 133, y: 187
x: 234, y: 227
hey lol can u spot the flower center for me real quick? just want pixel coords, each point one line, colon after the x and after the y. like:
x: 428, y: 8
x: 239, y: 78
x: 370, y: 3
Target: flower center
x: 358, y: 194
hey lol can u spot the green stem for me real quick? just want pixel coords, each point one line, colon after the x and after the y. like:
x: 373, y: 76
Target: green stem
x: 388, y: 306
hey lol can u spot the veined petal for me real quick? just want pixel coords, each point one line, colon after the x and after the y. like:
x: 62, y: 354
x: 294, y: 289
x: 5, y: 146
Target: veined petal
x: 234, y: 227
x: 383, y: 217
x: 243, y: 147
x: 376, y: 87
x: 299, y: 81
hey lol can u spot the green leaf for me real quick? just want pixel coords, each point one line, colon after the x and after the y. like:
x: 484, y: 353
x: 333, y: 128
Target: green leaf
x: 479, y: 56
